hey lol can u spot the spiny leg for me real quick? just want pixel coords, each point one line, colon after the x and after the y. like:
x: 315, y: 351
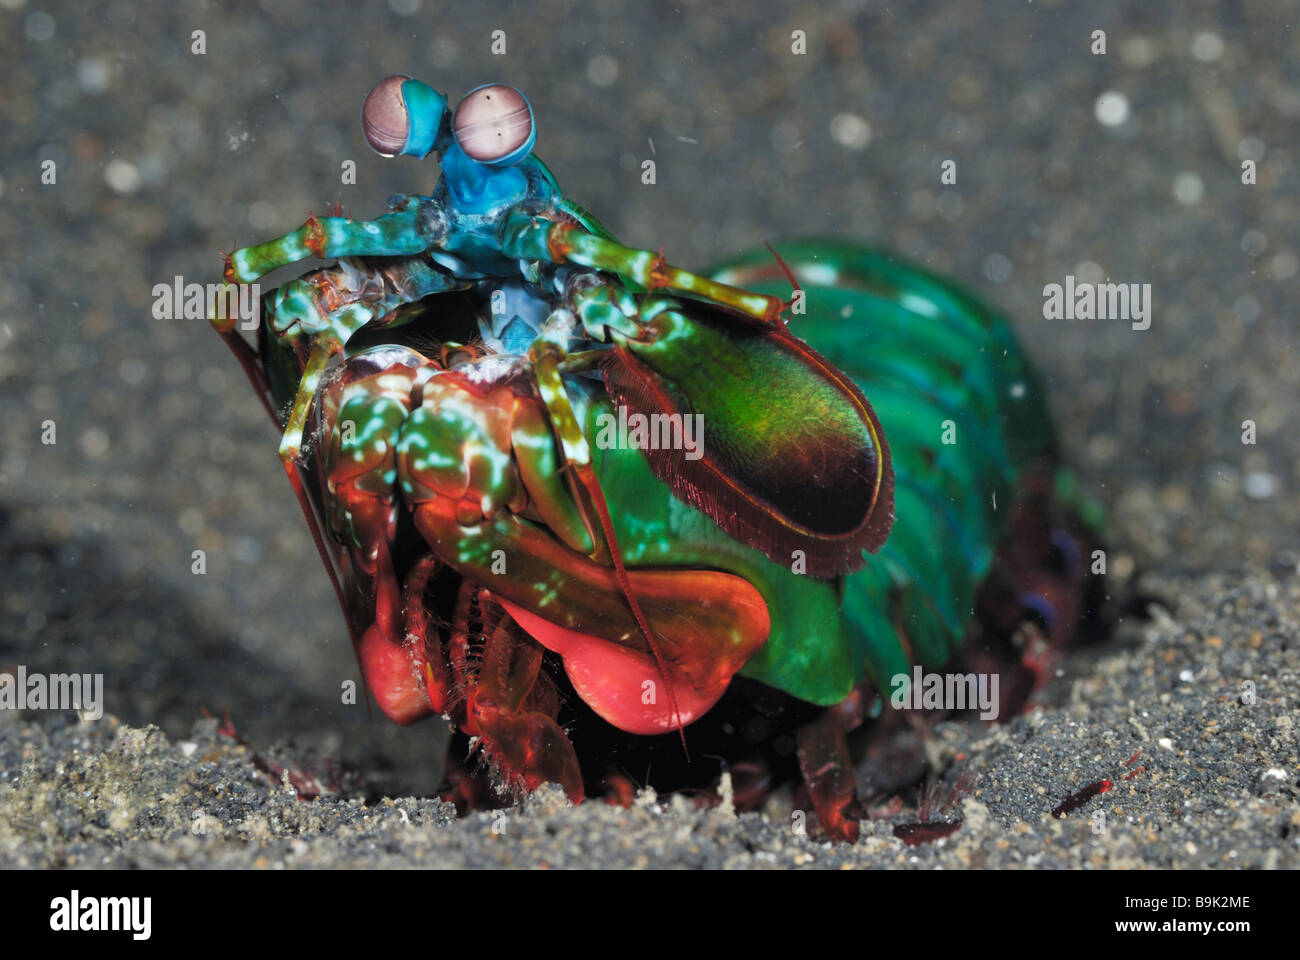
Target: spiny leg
x: 223, y: 321
x: 312, y: 374
x: 497, y: 692
x: 339, y: 300
x: 315, y: 367
x: 438, y: 683
x: 828, y: 774
x: 531, y: 236
x: 526, y: 743
x: 409, y: 228
x: 461, y: 786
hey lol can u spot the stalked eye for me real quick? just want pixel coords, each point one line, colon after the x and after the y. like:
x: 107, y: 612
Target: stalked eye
x: 384, y: 118
x: 403, y: 116
x: 494, y: 125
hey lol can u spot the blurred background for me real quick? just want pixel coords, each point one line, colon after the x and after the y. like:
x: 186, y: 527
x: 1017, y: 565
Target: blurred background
x: 1124, y: 166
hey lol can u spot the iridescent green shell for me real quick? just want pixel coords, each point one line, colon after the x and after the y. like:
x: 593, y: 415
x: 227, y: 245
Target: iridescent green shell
x: 936, y: 365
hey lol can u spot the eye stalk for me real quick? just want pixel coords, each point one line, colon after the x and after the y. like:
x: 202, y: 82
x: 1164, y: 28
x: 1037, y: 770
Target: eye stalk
x: 494, y: 125
x: 402, y: 116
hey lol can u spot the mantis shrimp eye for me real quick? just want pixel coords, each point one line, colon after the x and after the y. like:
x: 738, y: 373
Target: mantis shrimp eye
x: 403, y: 116
x: 494, y: 125
x: 384, y: 119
